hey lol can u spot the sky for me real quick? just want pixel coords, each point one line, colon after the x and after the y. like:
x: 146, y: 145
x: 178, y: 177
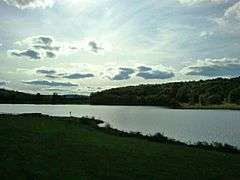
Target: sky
x: 84, y: 46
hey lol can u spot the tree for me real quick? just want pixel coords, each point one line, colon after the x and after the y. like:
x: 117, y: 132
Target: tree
x: 234, y: 96
x: 214, y: 99
x: 37, y: 98
x: 54, y: 98
x: 182, y: 94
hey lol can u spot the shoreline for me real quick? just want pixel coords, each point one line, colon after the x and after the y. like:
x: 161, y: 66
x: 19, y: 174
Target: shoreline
x: 181, y: 107
x: 212, y: 107
x: 157, y: 137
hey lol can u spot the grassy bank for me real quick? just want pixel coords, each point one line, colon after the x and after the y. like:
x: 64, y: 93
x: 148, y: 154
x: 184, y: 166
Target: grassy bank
x: 42, y: 147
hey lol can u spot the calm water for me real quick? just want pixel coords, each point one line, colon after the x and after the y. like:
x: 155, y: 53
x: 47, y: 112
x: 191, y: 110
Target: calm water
x: 185, y: 125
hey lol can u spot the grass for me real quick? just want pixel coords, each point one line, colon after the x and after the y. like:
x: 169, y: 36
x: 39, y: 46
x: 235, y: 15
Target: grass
x: 43, y: 147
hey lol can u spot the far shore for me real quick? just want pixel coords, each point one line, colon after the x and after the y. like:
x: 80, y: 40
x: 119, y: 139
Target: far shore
x: 182, y: 106
x: 211, y: 107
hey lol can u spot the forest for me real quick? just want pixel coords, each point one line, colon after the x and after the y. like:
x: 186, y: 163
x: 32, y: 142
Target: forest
x: 218, y: 91
x: 15, y: 97
x: 178, y: 94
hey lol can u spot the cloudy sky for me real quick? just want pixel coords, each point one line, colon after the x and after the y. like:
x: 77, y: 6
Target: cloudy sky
x: 82, y: 46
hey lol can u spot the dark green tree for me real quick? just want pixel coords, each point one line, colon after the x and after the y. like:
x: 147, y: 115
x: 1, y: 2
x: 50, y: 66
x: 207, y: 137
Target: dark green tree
x: 234, y: 96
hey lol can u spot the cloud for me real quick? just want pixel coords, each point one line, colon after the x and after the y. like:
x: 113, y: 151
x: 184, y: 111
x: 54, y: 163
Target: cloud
x: 124, y: 74
x: 143, y: 71
x: 48, y: 72
x: 156, y: 74
x: 50, y: 54
x: 144, y: 68
x: 51, y: 76
x: 78, y: 76
x: 94, y: 46
x: 206, y: 34
x: 50, y: 83
x: 30, y: 4
x: 32, y: 54
x: 86, y: 45
x: 214, y: 68
x: 192, y: 2
x: 230, y: 21
x: 43, y: 42
x: 47, y: 47
x: 3, y: 83
x: 232, y: 14
x: 38, y: 47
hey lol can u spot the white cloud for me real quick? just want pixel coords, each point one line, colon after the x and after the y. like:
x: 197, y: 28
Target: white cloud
x: 233, y: 12
x: 230, y: 20
x: 38, y: 47
x: 33, y: 4
x: 191, y: 2
x: 142, y: 71
x: 48, y: 47
x: 3, y: 83
x: 30, y: 4
x: 123, y: 74
x: 206, y: 34
x: 29, y: 53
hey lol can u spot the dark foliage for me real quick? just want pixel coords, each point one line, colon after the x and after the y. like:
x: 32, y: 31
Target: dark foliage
x: 14, y: 97
x: 208, y: 92
x: 234, y: 95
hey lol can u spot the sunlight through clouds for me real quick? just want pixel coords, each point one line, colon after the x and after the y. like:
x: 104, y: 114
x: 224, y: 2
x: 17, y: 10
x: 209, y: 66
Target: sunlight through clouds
x: 103, y: 43
x: 32, y: 4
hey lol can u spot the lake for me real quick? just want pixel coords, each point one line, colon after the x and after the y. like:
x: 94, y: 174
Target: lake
x: 184, y: 125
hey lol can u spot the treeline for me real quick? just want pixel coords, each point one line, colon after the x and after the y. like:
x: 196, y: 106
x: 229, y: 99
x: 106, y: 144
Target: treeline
x: 204, y: 92
x: 15, y: 97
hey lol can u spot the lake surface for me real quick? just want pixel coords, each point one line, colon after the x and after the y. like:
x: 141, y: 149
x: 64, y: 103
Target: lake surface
x: 184, y: 125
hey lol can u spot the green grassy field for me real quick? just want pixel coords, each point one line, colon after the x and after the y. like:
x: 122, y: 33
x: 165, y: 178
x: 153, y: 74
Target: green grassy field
x: 42, y: 147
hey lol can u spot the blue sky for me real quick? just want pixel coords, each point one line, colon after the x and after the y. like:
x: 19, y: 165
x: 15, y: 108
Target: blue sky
x: 82, y: 46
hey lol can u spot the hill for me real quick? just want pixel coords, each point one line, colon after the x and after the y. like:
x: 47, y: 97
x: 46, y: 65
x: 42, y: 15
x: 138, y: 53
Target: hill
x: 203, y: 93
x: 15, y: 97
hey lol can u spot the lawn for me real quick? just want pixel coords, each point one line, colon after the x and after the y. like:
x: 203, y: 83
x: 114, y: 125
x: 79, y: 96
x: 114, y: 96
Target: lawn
x: 43, y: 147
